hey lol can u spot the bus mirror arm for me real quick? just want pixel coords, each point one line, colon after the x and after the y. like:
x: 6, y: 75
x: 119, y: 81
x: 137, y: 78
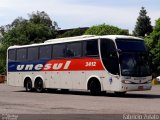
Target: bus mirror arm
x: 116, y: 76
x: 119, y: 51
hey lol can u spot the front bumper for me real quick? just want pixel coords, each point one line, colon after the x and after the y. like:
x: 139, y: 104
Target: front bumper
x: 136, y: 87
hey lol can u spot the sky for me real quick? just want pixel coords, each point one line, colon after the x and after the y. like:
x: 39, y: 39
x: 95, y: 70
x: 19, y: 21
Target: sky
x: 81, y: 13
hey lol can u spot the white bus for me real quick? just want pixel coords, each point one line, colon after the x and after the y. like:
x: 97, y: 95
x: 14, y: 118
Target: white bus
x: 95, y: 63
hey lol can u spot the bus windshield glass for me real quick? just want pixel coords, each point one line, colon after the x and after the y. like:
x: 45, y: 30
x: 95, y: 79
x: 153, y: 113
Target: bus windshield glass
x: 131, y: 45
x: 133, y: 57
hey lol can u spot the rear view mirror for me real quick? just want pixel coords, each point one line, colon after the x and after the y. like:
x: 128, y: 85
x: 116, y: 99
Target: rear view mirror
x: 119, y: 51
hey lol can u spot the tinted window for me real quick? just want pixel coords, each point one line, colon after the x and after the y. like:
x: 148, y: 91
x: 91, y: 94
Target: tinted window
x: 109, y: 56
x: 74, y: 49
x: 59, y: 51
x: 131, y: 45
x: 90, y: 48
x: 12, y: 55
x: 107, y: 47
x: 33, y: 53
x: 45, y: 52
x: 21, y: 54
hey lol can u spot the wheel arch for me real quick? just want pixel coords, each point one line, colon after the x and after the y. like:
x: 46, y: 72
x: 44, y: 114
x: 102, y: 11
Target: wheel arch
x: 94, y: 78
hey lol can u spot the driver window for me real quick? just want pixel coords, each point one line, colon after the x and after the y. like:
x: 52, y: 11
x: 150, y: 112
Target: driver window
x: 109, y: 56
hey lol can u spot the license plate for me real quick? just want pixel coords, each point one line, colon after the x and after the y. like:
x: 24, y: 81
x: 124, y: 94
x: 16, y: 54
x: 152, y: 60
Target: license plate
x: 140, y: 87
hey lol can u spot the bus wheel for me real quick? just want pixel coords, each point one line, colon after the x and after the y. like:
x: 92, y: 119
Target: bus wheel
x: 39, y: 85
x: 95, y: 88
x: 28, y: 85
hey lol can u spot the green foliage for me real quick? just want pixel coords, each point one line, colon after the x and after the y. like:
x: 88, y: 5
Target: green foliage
x: 2, y: 58
x: 153, y: 43
x: 38, y: 28
x: 1, y: 38
x: 104, y: 29
x: 143, y: 25
x: 74, y: 32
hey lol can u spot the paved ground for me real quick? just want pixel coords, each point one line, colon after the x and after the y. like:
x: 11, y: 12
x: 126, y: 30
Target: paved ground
x: 16, y: 101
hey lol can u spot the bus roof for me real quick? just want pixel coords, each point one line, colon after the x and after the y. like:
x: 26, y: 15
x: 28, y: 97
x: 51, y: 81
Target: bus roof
x: 77, y: 38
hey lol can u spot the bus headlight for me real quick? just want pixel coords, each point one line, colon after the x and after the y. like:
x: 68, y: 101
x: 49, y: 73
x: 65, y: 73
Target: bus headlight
x: 126, y: 82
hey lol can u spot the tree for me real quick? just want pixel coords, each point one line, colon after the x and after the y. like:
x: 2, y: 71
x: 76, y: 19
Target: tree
x: 38, y: 28
x: 1, y: 38
x: 21, y: 31
x: 2, y: 59
x: 43, y: 18
x: 143, y: 25
x: 153, y: 43
x: 104, y: 29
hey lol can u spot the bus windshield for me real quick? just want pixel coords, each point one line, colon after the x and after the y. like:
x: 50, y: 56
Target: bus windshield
x: 133, y: 58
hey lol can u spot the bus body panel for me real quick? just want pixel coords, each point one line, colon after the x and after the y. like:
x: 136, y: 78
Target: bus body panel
x: 72, y: 76
x: 78, y: 80
x: 72, y: 73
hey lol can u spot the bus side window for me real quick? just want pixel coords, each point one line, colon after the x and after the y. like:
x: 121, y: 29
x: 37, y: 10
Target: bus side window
x: 21, y: 54
x: 109, y: 56
x: 45, y: 52
x: 33, y: 53
x: 90, y: 48
x: 12, y: 55
x: 74, y: 49
x: 59, y: 50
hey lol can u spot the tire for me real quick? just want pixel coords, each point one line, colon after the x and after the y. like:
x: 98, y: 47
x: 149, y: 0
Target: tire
x: 95, y: 88
x: 39, y: 85
x: 28, y: 86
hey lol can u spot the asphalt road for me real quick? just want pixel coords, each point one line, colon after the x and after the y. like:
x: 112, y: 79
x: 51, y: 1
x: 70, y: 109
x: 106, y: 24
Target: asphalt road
x: 14, y: 100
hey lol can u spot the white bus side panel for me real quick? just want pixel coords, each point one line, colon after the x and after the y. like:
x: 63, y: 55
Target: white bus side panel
x: 66, y: 79
x: 78, y: 79
x: 14, y: 78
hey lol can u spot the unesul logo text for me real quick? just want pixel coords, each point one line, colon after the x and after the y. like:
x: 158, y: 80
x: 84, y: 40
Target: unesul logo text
x: 55, y: 66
